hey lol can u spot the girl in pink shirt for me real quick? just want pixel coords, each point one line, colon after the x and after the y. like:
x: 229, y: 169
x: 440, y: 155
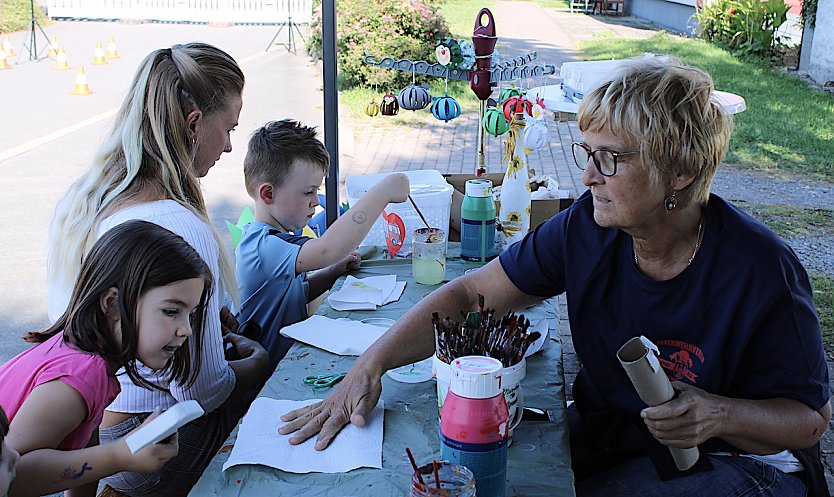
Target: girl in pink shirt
x: 141, y: 293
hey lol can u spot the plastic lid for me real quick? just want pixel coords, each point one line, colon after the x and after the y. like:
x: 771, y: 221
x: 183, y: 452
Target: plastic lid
x: 478, y: 188
x: 476, y: 377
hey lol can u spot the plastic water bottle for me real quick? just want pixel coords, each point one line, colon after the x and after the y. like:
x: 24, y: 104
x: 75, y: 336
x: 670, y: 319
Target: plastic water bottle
x: 477, y: 222
x: 473, y: 423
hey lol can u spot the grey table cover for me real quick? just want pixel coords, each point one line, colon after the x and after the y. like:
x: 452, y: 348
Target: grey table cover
x: 539, y: 457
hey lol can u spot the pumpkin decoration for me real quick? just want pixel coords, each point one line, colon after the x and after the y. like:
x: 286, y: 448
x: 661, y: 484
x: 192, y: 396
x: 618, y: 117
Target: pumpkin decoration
x: 389, y: 105
x: 372, y: 109
x: 445, y: 108
x: 512, y: 91
x: 515, y: 105
x: 414, y: 97
x: 494, y: 122
x: 535, y: 134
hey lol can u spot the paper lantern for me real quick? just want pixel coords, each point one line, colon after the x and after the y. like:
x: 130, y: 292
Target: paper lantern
x: 535, y: 134
x: 514, y: 105
x: 414, y: 97
x: 389, y: 105
x: 445, y: 108
x: 494, y: 122
x: 512, y: 91
x: 372, y: 109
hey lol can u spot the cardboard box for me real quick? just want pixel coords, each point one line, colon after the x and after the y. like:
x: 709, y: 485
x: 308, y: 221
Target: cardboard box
x: 540, y: 211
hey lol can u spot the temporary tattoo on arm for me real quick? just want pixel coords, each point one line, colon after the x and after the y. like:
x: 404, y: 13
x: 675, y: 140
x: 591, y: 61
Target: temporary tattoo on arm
x: 359, y: 217
x: 70, y: 474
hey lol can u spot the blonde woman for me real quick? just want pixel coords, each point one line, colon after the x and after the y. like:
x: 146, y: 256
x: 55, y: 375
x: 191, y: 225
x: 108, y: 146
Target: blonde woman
x: 172, y: 127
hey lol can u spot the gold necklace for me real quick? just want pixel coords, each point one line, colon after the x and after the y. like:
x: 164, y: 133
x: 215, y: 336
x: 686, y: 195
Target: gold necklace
x: 691, y: 258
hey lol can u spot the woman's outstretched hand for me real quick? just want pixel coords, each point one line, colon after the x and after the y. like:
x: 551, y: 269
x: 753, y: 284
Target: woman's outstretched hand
x: 351, y: 402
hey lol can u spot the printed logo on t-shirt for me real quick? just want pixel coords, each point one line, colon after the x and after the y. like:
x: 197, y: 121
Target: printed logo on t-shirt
x: 683, y: 359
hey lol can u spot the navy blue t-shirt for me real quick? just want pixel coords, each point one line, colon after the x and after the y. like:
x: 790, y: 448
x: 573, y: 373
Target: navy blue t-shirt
x: 738, y: 322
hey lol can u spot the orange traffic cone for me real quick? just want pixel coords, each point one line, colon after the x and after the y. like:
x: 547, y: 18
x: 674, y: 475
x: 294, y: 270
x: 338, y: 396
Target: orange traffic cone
x: 7, y: 46
x: 53, y: 48
x: 112, y: 51
x: 61, y: 61
x: 98, y: 59
x: 4, y: 64
x: 81, y: 86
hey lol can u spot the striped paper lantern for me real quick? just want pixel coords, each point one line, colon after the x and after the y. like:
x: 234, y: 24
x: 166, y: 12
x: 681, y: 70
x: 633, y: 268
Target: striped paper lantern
x: 494, y: 122
x: 414, y: 97
x: 445, y: 108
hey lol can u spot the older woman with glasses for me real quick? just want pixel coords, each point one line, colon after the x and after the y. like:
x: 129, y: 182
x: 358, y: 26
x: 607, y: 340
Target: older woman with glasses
x: 649, y: 251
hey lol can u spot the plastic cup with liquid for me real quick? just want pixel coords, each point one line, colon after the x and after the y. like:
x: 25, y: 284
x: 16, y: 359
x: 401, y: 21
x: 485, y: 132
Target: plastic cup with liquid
x: 428, y: 256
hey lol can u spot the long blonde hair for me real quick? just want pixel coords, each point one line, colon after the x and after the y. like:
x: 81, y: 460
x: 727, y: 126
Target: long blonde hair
x: 149, y: 148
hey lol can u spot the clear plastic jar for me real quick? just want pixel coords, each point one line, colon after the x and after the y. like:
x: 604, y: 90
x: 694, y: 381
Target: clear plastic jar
x: 455, y: 481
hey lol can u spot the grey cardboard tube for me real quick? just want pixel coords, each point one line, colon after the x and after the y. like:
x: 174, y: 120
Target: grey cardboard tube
x: 652, y: 385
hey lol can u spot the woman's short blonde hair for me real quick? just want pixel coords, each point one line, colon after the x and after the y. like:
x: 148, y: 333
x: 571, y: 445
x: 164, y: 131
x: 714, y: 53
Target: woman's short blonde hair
x: 664, y: 108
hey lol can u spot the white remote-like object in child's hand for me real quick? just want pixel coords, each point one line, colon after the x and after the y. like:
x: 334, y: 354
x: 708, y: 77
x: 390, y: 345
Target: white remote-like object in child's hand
x: 164, y: 425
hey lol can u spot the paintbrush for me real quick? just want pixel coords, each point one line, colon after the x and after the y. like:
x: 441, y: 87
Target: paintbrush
x: 418, y: 212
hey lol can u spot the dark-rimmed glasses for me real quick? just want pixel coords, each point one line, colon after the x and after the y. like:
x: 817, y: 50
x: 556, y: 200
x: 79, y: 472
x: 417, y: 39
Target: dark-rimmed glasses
x: 604, y: 159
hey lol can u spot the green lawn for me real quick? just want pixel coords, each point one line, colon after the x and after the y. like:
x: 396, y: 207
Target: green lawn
x: 15, y: 15
x: 553, y: 4
x: 460, y: 15
x: 788, y: 126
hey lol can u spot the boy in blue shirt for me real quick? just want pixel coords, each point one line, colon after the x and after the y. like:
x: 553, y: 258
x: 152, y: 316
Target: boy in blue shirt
x: 284, y: 166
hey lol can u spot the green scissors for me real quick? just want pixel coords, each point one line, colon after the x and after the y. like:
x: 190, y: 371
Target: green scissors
x: 323, y: 380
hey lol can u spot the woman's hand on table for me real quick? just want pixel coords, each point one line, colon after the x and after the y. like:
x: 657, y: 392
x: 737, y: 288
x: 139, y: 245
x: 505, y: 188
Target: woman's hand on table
x: 351, y: 402
x: 687, y: 420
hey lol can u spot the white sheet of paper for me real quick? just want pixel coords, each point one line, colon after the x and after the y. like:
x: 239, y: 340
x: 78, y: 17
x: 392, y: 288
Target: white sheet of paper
x: 373, y: 289
x: 258, y: 442
x: 366, y: 294
x: 339, y: 336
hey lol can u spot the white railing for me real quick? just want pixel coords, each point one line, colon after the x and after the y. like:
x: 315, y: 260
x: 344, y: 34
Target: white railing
x: 236, y: 11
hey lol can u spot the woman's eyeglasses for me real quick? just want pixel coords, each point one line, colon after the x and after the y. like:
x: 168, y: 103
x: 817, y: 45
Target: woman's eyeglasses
x: 605, y: 160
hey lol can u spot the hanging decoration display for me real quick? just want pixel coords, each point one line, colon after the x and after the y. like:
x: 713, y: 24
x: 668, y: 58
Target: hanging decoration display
x: 389, y: 105
x: 414, y: 97
x: 372, y: 109
x: 445, y: 108
x: 494, y: 122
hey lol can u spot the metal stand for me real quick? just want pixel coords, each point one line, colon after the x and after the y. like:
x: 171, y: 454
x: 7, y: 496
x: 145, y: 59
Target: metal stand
x: 290, y: 44
x: 32, y: 36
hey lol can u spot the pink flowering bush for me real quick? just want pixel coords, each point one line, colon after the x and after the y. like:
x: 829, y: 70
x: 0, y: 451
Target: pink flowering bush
x: 401, y: 29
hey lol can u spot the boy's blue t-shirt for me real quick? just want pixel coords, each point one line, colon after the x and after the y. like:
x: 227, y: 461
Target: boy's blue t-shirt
x: 739, y: 321
x: 271, y: 293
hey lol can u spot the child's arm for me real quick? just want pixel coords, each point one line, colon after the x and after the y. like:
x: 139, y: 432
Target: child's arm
x: 88, y: 489
x: 50, y: 413
x: 320, y: 281
x: 349, y: 230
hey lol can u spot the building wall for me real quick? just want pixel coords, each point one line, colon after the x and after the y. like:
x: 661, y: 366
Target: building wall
x: 821, y: 63
x: 674, y: 15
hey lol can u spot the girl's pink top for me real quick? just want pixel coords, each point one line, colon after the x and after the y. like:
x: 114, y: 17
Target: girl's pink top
x: 55, y: 360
